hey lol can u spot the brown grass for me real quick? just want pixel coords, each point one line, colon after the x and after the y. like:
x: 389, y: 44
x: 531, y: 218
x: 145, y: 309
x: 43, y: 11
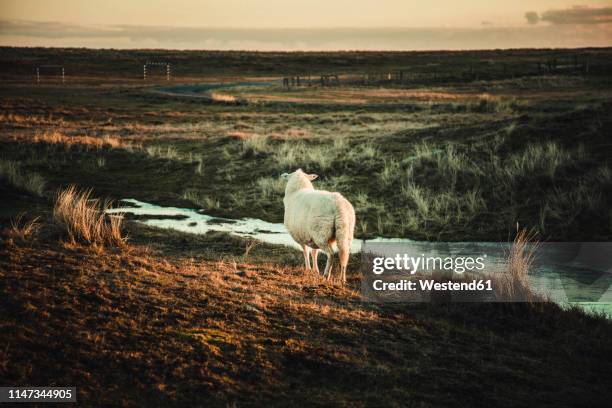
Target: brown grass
x: 514, y: 284
x: 29, y: 120
x: 84, y: 218
x: 58, y: 138
x: 241, y: 135
x: 167, y: 329
x: 22, y: 230
x: 218, y: 97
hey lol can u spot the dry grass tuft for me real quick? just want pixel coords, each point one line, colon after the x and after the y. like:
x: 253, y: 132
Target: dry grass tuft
x: 23, y: 230
x: 251, y: 243
x: 84, y: 218
x: 218, y: 97
x: 57, y: 138
x: 239, y: 134
x: 514, y: 284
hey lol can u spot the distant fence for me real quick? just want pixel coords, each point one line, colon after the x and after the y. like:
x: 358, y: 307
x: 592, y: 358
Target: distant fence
x: 168, y: 69
x: 307, y: 80
x: 444, y: 70
x: 46, y: 70
x: 577, y: 65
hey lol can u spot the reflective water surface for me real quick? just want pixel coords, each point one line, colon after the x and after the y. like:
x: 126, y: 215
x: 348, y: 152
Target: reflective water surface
x: 568, y: 282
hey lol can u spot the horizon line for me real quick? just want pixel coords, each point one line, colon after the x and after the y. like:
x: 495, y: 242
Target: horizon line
x: 308, y: 51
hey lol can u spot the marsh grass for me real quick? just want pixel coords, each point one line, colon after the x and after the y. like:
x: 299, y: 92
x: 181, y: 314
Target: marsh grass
x: 255, y: 143
x: 199, y: 168
x: 320, y: 154
x: 13, y: 173
x: 342, y: 182
x: 603, y: 175
x: 464, y: 167
x: 212, y: 202
x: 540, y: 158
x: 271, y: 187
x: 84, y: 219
x: 300, y: 154
x: 200, y: 200
x: 430, y: 208
x: 191, y: 195
x: 418, y: 196
x: 169, y: 152
x: 238, y: 199
x: 164, y: 152
x: 453, y: 184
x: 429, y: 188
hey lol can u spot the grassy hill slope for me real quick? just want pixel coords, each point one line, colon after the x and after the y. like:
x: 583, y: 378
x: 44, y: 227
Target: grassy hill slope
x: 152, y: 326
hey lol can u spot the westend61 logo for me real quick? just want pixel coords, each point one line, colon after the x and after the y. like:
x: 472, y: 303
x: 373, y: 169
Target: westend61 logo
x: 484, y: 272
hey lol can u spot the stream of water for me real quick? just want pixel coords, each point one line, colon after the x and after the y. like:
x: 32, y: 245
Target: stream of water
x: 567, y: 283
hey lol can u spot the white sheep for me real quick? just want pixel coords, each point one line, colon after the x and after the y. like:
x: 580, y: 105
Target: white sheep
x: 316, y: 219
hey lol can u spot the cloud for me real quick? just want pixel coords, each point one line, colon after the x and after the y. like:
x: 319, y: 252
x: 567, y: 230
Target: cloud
x: 532, y: 17
x: 583, y: 15
x: 30, y: 33
x: 54, y: 29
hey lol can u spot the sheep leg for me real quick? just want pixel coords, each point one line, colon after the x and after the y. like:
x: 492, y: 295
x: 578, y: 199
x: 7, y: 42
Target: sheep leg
x: 343, y: 254
x: 306, y: 250
x: 343, y: 273
x: 330, y: 261
x: 315, y: 263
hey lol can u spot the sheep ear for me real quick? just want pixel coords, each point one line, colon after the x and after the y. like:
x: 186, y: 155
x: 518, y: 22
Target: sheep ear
x: 285, y: 176
x: 312, y: 177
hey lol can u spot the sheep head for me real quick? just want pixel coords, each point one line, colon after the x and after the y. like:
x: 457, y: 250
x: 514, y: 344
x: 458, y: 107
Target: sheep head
x: 298, y: 180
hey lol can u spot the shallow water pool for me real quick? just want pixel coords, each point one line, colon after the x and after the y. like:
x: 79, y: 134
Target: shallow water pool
x: 565, y: 283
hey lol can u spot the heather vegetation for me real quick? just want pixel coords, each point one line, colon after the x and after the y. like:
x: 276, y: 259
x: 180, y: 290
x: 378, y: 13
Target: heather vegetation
x: 160, y: 317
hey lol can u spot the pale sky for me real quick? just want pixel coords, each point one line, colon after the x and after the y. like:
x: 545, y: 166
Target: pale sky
x: 256, y: 24
x: 279, y: 13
